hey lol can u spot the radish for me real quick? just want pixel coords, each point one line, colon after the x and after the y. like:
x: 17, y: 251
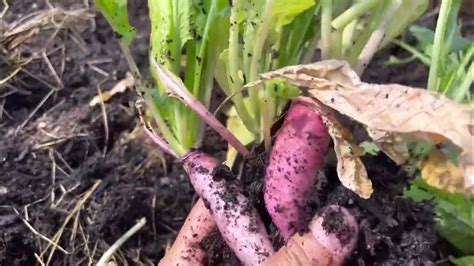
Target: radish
x: 297, y: 154
x: 331, y: 238
x: 186, y: 249
x: 237, y: 220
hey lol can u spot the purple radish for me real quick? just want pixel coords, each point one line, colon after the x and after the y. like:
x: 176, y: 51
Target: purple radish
x: 296, y: 156
x: 237, y: 220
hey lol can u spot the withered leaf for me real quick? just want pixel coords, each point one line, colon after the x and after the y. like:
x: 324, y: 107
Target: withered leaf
x: 438, y: 171
x: 402, y: 109
x: 402, y: 112
x: 392, y: 144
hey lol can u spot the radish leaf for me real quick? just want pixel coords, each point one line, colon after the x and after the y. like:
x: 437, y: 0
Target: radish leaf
x: 463, y: 261
x: 285, y: 12
x: 116, y: 13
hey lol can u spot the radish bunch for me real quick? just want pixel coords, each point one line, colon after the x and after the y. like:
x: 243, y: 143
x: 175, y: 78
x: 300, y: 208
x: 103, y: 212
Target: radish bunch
x: 296, y: 156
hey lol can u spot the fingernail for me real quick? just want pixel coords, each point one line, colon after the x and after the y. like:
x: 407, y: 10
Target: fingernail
x: 336, y: 229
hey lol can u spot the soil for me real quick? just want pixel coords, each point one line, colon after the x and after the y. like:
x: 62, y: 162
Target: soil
x: 81, y: 176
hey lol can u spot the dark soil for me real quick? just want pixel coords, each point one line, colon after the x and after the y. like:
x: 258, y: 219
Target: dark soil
x: 54, y: 148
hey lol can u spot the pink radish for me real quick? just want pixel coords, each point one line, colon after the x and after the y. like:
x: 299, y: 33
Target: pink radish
x: 237, y: 220
x: 330, y: 240
x: 295, y: 158
x: 186, y: 249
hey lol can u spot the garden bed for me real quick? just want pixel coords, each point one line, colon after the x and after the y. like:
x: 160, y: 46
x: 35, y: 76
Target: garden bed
x: 55, y: 149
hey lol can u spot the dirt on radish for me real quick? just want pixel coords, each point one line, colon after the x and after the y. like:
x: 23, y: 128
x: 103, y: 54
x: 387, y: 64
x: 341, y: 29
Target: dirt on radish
x: 48, y: 162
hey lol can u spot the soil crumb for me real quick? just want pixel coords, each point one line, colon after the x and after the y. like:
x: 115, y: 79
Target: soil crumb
x: 334, y: 223
x: 218, y: 253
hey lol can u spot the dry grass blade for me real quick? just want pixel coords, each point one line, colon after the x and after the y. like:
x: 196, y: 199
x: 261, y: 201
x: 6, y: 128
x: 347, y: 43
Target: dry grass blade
x: 79, y: 204
x: 115, y: 246
x: 19, y: 41
x: 34, y: 231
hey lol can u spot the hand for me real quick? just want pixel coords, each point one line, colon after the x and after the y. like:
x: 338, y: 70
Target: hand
x: 331, y: 238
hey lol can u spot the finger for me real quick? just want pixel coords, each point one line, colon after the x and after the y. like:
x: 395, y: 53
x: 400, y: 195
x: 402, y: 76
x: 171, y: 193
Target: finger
x: 331, y: 238
x: 186, y: 249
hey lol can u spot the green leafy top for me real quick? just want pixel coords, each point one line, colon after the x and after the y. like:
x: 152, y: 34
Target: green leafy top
x: 115, y: 11
x: 186, y: 33
x: 284, y: 12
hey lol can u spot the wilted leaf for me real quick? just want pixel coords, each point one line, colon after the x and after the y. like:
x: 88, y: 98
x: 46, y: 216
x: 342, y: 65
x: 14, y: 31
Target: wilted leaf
x: 438, y: 171
x: 392, y: 144
x: 350, y: 169
x: 402, y: 109
x: 412, y: 113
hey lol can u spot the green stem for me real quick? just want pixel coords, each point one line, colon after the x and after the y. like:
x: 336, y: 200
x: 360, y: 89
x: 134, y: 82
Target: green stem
x: 267, y: 119
x: 463, y: 89
x: 336, y: 44
x: 438, y: 43
x: 354, y: 12
x: 130, y: 61
x: 176, y: 86
x: 164, y: 129
x: 347, y: 36
x: 190, y: 63
x: 257, y: 52
x: 326, y: 17
x: 424, y: 59
x: 180, y: 114
x: 202, y: 51
x: 233, y: 77
x: 364, y: 36
x: 308, y: 54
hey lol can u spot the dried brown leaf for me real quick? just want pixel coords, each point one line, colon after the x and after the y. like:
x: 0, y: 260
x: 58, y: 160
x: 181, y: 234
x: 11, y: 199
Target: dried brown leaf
x: 402, y: 109
x: 438, y: 171
x: 392, y: 144
x: 402, y: 112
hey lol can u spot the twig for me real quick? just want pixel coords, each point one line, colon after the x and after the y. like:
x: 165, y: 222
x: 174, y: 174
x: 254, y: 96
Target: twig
x: 53, y: 176
x: 173, y: 85
x: 40, y: 261
x: 47, y: 84
x: 5, y: 8
x: 51, y: 68
x: 112, y: 249
x: 104, y: 116
x: 11, y: 75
